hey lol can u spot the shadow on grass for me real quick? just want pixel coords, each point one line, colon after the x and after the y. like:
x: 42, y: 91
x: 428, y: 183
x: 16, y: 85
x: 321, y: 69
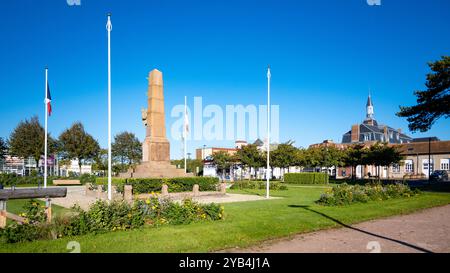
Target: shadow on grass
x: 361, y: 230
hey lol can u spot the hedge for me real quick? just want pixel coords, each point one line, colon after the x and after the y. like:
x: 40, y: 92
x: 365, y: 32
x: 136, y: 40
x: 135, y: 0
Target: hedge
x: 15, y: 180
x: 259, y: 185
x: 178, y: 184
x: 306, y: 178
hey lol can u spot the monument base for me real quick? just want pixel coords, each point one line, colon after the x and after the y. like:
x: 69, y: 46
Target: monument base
x: 155, y: 169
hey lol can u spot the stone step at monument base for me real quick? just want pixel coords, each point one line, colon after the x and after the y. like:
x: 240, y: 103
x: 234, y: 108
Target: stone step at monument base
x: 155, y: 170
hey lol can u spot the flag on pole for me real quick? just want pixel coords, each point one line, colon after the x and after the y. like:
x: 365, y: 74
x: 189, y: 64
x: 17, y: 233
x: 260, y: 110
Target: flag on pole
x: 48, y: 101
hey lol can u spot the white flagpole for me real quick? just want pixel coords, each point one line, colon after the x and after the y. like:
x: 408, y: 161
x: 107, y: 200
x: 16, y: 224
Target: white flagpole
x: 185, y: 134
x: 109, y: 28
x: 268, y: 134
x: 45, y: 137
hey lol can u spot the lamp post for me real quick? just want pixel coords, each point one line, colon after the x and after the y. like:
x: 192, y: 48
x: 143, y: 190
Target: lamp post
x: 429, y: 160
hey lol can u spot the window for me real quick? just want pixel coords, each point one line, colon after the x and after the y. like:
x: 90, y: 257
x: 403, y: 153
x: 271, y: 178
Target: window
x: 396, y: 168
x: 391, y: 134
x: 425, y: 165
x: 366, y: 137
x: 409, y: 166
x: 445, y: 164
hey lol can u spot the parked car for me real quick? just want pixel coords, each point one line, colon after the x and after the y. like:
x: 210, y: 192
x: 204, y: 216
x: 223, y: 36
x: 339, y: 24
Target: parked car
x: 439, y: 176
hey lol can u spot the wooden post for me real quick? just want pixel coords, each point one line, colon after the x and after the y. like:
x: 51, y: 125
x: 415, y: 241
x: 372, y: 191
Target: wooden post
x: 48, y: 207
x: 2, y: 213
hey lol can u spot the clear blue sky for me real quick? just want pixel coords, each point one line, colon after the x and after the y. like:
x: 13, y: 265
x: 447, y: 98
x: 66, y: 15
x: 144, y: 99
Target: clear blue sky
x: 324, y: 56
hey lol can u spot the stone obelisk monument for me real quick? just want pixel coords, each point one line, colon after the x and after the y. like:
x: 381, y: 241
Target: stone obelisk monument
x: 156, y: 147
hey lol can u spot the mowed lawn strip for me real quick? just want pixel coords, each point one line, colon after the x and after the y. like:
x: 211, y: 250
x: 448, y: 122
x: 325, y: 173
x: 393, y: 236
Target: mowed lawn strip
x: 245, y: 224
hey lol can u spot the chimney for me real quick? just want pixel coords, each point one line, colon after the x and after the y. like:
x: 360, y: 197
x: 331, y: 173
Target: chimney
x: 355, y: 133
x: 399, y: 131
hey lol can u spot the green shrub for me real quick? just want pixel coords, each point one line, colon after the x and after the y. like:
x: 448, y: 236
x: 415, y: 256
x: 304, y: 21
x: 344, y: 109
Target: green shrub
x: 345, y: 194
x: 103, y: 216
x: 181, y: 184
x: 244, y: 184
x: 306, y: 178
x: 9, y: 179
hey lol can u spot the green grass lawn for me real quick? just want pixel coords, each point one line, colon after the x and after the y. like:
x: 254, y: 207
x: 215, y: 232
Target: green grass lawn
x: 245, y: 224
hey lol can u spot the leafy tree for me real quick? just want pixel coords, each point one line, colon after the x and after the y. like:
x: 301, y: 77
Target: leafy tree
x: 77, y: 144
x: 432, y: 103
x: 222, y: 160
x: 27, y: 140
x: 353, y: 156
x: 284, y: 156
x: 3, y: 148
x: 382, y: 155
x: 249, y: 156
x: 192, y: 164
x: 127, y: 148
x: 101, y: 161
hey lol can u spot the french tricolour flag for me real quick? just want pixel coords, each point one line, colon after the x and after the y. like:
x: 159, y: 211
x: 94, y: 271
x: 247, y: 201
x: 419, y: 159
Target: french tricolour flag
x: 48, y: 101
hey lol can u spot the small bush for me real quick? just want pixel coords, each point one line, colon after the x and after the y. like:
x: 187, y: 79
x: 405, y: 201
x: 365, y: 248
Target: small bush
x: 104, y: 217
x: 181, y: 184
x: 345, y: 194
x: 258, y: 185
x: 306, y: 178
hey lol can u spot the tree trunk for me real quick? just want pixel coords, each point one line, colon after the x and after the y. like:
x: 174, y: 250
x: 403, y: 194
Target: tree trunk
x: 79, y: 164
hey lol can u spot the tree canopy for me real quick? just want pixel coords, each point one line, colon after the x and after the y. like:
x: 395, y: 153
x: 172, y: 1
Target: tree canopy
x: 222, y: 160
x: 432, y: 103
x: 77, y: 144
x: 3, y: 148
x: 27, y: 140
x: 127, y: 148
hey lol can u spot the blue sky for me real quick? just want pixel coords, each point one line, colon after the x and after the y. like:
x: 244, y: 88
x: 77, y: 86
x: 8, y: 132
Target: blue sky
x: 324, y: 57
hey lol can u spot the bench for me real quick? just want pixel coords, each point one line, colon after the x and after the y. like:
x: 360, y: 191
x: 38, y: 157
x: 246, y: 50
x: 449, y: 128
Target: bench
x: 66, y: 182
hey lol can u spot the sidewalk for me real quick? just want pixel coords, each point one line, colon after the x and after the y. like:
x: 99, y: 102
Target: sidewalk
x: 424, y: 231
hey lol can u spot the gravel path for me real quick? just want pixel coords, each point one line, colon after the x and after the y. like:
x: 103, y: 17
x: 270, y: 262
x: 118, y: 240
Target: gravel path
x: 424, y: 231
x: 77, y: 195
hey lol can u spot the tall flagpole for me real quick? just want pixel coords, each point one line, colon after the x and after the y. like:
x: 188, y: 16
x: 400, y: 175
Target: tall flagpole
x: 109, y: 28
x: 45, y: 137
x: 268, y: 134
x: 185, y: 134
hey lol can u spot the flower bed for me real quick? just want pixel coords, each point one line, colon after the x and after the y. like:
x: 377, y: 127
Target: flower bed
x: 345, y: 194
x: 104, y: 217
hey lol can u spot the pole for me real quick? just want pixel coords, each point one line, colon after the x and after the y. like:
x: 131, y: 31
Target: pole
x: 429, y: 159
x: 109, y: 28
x: 268, y: 134
x: 45, y: 137
x: 185, y: 133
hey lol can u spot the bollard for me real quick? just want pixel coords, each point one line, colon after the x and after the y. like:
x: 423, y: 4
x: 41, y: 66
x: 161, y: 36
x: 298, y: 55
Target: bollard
x: 223, y: 188
x: 99, y: 192
x: 196, y: 190
x: 128, y: 193
x: 2, y: 213
x: 87, y: 188
x: 164, y: 190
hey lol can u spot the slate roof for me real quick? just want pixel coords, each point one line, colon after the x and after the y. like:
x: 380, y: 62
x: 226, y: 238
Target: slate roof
x: 376, y: 133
